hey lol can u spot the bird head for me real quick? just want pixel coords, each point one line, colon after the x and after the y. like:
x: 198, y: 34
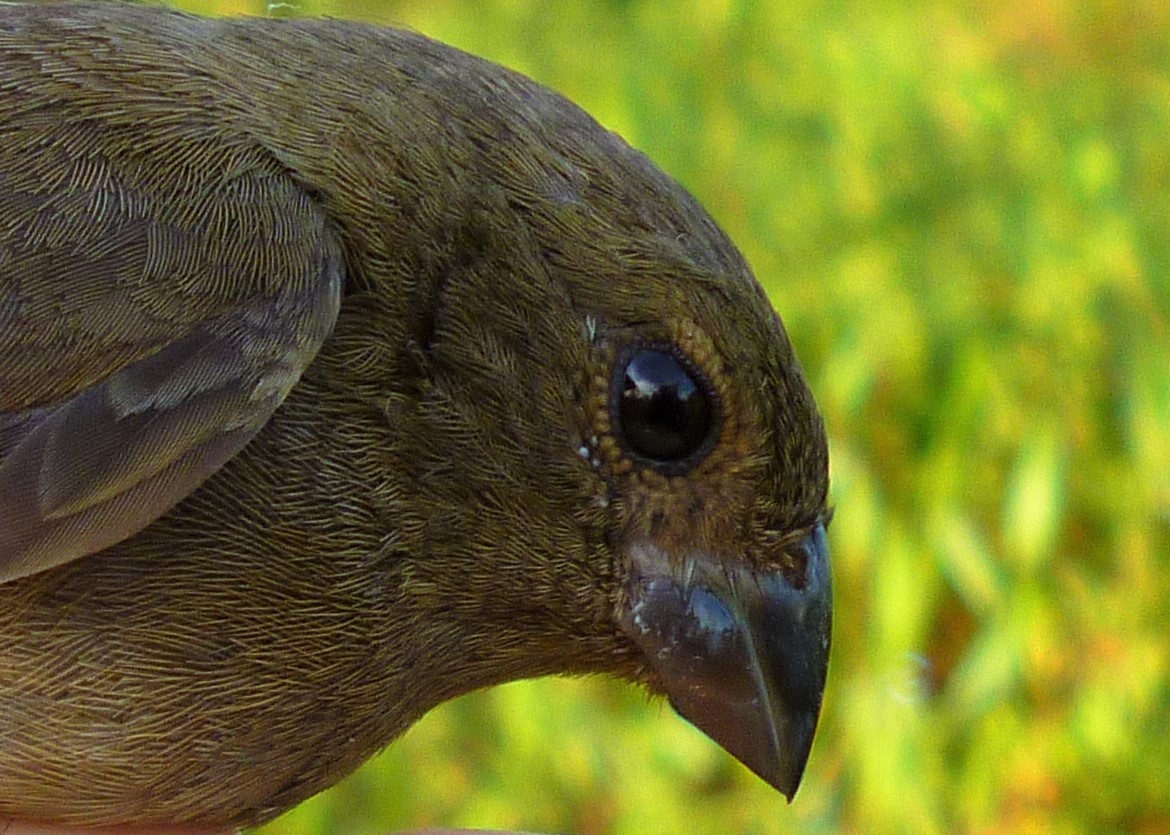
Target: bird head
x: 607, y: 458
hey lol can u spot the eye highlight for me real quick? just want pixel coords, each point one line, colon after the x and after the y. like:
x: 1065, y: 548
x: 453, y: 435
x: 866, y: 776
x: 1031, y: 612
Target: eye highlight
x: 664, y: 410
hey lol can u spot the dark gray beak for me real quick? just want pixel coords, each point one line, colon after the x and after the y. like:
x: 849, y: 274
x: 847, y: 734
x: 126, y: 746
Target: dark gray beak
x: 741, y: 652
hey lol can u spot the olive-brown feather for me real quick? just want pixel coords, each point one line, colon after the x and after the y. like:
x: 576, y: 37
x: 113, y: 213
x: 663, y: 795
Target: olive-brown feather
x: 438, y: 503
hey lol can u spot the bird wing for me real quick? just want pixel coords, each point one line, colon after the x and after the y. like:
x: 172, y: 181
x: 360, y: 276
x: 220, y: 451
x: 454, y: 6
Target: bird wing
x: 161, y: 291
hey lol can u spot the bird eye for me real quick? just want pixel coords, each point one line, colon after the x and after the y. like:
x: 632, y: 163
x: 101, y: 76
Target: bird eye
x: 664, y: 409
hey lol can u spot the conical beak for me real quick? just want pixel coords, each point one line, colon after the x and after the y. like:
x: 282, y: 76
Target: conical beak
x: 741, y: 652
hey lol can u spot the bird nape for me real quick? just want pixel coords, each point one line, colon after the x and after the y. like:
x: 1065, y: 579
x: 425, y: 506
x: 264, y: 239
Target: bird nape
x: 342, y: 373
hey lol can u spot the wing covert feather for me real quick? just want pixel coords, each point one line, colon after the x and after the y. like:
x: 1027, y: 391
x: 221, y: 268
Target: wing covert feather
x: 160, y: 294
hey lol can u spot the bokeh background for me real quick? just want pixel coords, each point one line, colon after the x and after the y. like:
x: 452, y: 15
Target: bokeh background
x: 962, y: 211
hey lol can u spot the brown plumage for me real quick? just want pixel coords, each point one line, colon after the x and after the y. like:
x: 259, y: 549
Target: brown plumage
x: 321, y: 349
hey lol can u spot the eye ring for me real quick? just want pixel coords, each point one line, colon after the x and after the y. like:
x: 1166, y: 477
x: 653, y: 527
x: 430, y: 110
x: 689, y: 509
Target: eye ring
x: 664, y: 411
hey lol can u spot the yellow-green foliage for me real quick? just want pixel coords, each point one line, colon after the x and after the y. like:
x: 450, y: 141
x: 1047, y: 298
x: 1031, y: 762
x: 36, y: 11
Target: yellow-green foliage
x: 962, y: 211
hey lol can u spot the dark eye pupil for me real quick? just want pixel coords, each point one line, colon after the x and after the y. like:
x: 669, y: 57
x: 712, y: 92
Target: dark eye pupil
x: 664, y: 414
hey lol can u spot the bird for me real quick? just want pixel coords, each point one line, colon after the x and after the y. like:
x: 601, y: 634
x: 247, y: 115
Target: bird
x: 342, y: 373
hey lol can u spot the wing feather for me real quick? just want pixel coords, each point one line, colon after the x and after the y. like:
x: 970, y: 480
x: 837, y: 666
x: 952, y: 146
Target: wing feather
x: 151, y: 319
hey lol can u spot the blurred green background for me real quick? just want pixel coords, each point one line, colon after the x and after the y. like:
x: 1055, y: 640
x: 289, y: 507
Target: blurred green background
x: 962, y: 211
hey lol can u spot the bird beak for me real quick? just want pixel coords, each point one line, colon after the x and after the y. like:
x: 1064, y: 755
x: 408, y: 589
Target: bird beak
x: 741, y: 651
